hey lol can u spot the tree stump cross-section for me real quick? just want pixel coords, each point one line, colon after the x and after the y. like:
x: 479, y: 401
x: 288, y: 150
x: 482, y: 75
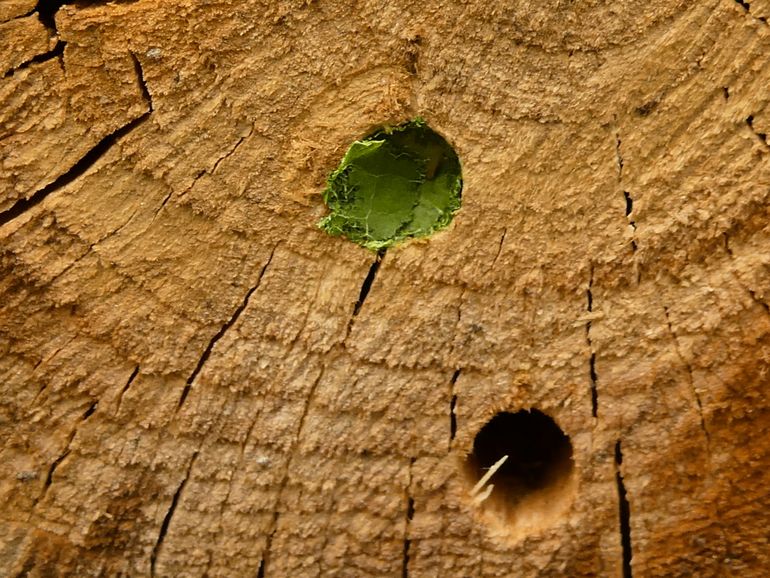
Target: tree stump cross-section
x: 195, y: 380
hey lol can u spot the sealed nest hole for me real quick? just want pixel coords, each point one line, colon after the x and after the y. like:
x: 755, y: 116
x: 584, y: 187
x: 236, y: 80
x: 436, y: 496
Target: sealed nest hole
x: 399, y: 183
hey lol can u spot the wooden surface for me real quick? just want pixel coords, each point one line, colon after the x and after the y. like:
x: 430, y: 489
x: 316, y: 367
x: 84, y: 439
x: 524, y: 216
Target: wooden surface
x: 185, y: 389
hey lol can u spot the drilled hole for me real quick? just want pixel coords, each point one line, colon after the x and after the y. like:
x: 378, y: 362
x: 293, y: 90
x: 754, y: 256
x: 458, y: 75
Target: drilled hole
x: 534, y: 483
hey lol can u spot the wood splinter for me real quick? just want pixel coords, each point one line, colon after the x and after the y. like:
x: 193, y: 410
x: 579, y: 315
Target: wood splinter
x: 476, y: 494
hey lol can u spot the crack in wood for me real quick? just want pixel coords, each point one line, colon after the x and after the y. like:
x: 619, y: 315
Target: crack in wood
x: 47, y: 9
x: 46, y: 12
x: 747, y: 9
x: 164, y: 202
x: 691, y: 380
x: 67, y: 451
x: 56, y: 52
x: 624, y: 514
x: 213, y: 169
x: 222, y: 331
x: 454, y: 345
x: 760, y: 135
x: 629, y: 210
x: 592, y: 354
x: 77, y: 170
x: 408, y: 523
x: 46, y: 360
x: 232, y: 151
x: 620, y: 164
x: 141, y: 80
x: 453, y: 406
x: 88, y: 159
x: 20, y: 16
x: 366, y: 286
x: 499, y: 248
x: 123, y: 391
x: 169, y: 514
x: 90, y: 248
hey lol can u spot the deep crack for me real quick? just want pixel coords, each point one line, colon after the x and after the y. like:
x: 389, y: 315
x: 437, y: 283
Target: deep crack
x: 624, y: 514
x: 629, y: 206
x: 366, y: 286
x: 20, y: 16
x: 620, y: 163
x: 78, y: 169
x: 141, y: 81
x: 52, y: 468
x: 87, y: 160
x: 46, y: 12
x: 629, y: 211
x: 47, y: 9
x: 592, y: 359
x: 90, y: 411
x: 408, y: 523
x: 56, y: 52
x: 453, y: 406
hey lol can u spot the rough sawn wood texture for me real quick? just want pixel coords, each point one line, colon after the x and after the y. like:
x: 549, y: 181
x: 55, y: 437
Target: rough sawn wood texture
x: 184, y: 389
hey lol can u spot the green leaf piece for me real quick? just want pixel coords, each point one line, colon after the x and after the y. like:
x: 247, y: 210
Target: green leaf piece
x: 400, y: 183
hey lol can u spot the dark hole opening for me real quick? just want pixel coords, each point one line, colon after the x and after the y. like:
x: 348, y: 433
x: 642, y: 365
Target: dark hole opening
x: 539, y: 455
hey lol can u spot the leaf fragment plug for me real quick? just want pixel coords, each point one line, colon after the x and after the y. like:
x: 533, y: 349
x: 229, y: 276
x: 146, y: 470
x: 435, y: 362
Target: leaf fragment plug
x: 400, y: 183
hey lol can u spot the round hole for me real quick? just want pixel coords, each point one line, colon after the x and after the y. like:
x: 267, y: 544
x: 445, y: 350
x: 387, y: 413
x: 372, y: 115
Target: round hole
x: 534, y: 484
x: 399, y: 183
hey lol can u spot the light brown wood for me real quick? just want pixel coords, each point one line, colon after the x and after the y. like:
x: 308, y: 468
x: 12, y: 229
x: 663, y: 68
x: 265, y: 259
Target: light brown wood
x: 185, y: 389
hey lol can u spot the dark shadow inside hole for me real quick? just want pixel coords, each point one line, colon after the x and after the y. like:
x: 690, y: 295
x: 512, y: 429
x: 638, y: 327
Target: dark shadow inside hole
x: 539, y: 455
